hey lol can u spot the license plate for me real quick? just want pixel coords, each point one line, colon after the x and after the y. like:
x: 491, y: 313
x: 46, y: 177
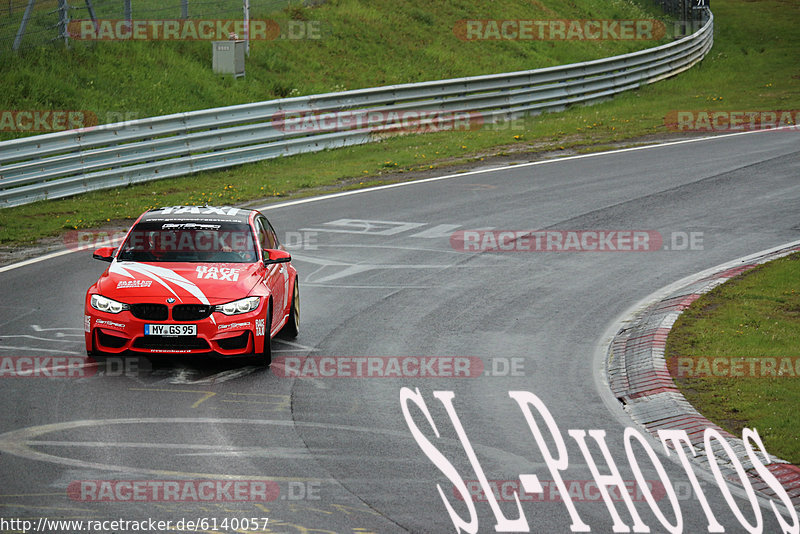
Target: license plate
x: 170, y: 329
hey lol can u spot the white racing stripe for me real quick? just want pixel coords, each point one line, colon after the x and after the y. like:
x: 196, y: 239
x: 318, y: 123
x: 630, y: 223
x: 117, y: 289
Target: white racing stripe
x: 157, y: 273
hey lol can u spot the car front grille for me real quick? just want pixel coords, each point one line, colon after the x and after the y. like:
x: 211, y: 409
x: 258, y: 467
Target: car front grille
x: 150, y: 311
x: 170, y: 343
x: 191, y: 312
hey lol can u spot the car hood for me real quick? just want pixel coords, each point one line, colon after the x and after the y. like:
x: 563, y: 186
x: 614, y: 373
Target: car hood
x: 207, y: 283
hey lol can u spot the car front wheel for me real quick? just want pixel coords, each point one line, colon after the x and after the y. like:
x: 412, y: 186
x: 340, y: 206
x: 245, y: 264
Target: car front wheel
x: 292, y: 326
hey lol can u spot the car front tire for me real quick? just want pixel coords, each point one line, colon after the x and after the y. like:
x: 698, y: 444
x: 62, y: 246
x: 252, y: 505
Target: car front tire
x: 292, y: 326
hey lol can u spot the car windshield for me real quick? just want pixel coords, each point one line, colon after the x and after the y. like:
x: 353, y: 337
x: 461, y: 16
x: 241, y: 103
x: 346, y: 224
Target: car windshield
x: 171, y: 241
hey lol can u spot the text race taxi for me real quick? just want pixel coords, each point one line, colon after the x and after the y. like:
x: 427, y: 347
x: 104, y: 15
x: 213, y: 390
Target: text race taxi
x: 194, y: 280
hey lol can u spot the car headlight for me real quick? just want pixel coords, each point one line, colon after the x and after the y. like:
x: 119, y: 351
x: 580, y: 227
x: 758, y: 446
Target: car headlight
x: 105, y: 304
x: 236, y: 307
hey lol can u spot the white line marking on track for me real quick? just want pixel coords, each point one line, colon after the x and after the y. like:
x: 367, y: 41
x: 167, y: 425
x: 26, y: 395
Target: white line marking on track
x: 309, y: 200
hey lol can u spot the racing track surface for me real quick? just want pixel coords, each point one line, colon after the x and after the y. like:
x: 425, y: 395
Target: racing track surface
x: 339, y: 449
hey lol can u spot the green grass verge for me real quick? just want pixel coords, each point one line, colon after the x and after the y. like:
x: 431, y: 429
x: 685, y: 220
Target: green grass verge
x: 363, y: 44
x: 752, y: 67
x: 755, y: 315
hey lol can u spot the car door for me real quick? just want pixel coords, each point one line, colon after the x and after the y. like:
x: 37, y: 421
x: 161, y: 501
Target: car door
x: 277, y: 275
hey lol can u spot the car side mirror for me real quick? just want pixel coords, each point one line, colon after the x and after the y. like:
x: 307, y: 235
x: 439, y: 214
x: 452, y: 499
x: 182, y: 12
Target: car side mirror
x: 274, y: 256
x: 104, y: 253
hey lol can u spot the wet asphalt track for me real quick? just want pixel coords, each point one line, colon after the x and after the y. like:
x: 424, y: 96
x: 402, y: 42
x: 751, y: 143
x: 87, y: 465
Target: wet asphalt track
x: 339, y: 449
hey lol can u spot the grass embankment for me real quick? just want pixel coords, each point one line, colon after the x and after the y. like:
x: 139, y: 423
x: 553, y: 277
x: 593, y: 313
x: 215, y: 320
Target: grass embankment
x: 361, y: 44
x: 755, y: 315
x: 752, y: 67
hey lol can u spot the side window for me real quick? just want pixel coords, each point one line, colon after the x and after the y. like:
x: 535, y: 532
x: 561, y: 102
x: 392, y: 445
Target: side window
x: 262, y: 233
x: 274, y: 234
x: 266, y: 236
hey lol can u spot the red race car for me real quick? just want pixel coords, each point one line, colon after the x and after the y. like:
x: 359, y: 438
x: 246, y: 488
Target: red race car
x: 194, y: 280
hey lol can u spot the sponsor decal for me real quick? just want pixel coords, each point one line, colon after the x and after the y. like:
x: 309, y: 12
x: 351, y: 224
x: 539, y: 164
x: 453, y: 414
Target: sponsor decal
x: 190, y: 226
x: 236, y: 325
x: 133, y: 284
x: 198, y: 210
x: 378, y: 367
x: 260, y: 326
x: 87, y: 323
x: 173, y: 490
x: 104, y: 322
x: 205, y: 272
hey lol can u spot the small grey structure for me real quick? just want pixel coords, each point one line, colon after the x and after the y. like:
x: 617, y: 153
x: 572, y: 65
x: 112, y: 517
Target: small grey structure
x: 228, y: 57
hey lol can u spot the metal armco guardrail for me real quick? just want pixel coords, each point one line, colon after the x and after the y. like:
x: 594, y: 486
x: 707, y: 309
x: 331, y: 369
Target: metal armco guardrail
x: 61, y: 164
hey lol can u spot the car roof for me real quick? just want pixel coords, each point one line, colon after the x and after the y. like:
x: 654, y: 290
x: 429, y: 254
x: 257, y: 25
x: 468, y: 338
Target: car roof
x: 198, y: 214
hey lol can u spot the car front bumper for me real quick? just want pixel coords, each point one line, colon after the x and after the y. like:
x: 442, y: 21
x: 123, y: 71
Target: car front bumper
x: 218, y: 333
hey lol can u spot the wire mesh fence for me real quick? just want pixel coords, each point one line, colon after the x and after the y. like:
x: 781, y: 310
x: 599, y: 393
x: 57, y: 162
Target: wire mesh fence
x: 33, y: 23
